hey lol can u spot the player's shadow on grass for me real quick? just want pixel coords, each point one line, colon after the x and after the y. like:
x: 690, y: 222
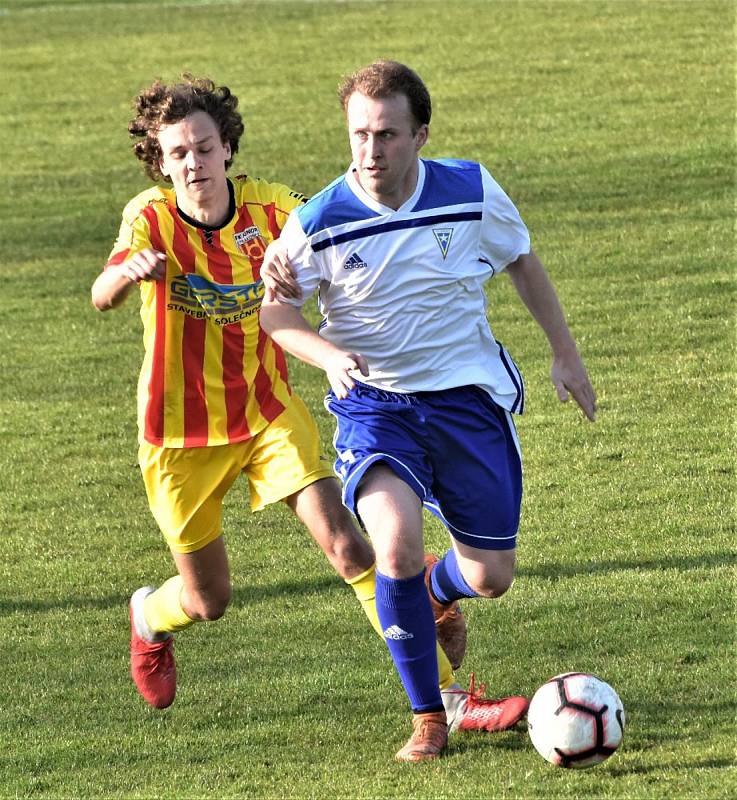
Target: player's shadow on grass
x: 618, y: 769
x: 515, y: 740
x: 556, y: 571
x: 242, y: 596
x: 250, y: 594
x: 71, y: 603
x: 255, y: 593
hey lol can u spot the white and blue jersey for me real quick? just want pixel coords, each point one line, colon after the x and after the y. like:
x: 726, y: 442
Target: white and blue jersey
x: 405, y: 287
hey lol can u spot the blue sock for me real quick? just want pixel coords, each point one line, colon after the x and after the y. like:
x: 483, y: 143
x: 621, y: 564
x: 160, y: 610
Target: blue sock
x: 446, y: 580
x: 406, y: 618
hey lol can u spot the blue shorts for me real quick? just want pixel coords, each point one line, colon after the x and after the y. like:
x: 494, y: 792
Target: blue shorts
x: 456, y: 448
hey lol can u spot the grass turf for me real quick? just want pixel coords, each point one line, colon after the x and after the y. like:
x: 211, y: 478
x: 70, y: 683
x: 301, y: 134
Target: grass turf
x: 611, y: 126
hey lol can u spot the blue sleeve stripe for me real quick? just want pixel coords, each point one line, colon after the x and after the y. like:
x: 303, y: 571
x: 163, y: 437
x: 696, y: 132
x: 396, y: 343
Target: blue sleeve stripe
x: 386, y: 227
x: 514, y: 376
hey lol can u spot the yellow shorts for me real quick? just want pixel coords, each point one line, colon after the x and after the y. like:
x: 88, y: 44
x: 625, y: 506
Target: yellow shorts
x: 186, y: 486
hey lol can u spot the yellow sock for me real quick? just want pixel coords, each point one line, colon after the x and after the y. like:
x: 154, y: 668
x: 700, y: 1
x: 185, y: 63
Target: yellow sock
x: 163, y: 609
x: 365, y: 588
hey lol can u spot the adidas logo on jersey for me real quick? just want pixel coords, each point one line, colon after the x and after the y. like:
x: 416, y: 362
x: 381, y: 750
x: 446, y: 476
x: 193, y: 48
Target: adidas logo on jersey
x: 396, y: 633
x: 355, y: 262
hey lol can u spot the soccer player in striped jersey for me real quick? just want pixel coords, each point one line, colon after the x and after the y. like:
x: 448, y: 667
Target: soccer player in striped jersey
x: 423, y: 393
x: 213, y: 395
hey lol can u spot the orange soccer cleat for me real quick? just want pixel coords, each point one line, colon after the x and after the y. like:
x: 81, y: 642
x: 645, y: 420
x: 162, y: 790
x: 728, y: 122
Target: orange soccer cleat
x: 429, y: 737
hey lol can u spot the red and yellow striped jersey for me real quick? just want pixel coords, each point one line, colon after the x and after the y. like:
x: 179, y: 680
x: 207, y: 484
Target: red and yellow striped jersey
x: 210, y: 375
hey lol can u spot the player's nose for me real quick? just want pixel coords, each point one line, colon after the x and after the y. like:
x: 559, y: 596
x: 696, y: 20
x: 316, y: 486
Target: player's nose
x: 192, y: 161
x: 375, y: 147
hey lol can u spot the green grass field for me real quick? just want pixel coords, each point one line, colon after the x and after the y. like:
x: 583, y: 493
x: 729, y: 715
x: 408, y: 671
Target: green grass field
x: 611, y: 125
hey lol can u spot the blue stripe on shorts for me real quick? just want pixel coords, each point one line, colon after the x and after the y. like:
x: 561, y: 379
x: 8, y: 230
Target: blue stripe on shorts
x: 456, y: 448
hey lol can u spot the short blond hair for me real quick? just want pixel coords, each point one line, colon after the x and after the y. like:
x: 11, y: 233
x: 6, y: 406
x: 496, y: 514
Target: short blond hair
x: 384, y: 79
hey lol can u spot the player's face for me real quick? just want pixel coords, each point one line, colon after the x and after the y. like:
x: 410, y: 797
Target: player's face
x: 193, y: 157
x: 384, y: 145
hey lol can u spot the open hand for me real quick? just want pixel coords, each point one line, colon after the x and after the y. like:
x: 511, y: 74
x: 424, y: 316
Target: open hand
x: 277, y: 273
x: 569, y: 375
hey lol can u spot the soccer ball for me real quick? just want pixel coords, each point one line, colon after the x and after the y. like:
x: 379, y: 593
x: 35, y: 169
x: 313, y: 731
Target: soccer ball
x: 575, y: 720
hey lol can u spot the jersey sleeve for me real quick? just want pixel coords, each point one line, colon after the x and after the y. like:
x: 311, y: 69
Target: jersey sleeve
x: 133, y: 235
x: 303, y: 260
x: 276, y: 200
x: 504, y: 236
x: 287, y: 200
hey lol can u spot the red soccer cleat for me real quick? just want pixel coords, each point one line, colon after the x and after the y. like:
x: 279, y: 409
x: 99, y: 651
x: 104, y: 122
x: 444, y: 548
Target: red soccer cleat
x: 479, y: 713
x: 152, y: 663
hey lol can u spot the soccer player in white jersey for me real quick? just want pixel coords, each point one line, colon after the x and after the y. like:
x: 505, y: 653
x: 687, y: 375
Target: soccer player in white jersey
x: 399, y: 249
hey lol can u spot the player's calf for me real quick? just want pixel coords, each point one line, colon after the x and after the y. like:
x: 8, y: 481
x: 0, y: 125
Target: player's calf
x: 450, y: 625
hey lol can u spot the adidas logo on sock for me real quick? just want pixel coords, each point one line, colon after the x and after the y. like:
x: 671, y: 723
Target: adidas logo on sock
x: 355, y: 262
x: 396, y: 633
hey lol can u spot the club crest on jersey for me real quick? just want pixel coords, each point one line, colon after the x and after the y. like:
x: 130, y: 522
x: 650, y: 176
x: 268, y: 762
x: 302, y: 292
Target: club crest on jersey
x: 443, y: 237
x: 355, y: 262
x: 243, y: 237
x: 250, y: 243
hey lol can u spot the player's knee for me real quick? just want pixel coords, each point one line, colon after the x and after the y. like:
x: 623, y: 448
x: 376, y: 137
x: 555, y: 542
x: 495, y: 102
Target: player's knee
x: 492, y: 575
x: 210, y: 604
x: 347, y: 551
x: 350, y: 554
x: 399, y: 563
x: 493, y: 584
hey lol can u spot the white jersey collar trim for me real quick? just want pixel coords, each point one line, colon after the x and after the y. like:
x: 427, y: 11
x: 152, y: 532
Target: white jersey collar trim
x: 380, y: 208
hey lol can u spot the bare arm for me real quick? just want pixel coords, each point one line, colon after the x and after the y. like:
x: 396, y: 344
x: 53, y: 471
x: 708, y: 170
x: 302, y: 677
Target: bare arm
x: 538, y: 293
x: 114, y: 284
x: 290, y: 330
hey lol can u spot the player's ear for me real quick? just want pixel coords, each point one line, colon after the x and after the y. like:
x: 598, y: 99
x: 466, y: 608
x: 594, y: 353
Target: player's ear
x: 228, y: 151
x: 421, y: 137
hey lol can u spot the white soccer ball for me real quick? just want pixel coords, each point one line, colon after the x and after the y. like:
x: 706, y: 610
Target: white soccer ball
x: 575, y: 720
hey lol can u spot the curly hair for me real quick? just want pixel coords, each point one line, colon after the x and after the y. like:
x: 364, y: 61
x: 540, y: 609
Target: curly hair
x: 385, y: 78
x: 161, y: 104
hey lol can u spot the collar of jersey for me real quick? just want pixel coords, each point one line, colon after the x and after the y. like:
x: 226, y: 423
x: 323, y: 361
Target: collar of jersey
x: 374, y: 205
x: 228, y: 217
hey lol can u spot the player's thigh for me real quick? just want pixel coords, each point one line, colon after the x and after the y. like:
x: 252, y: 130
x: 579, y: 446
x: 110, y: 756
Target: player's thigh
x: 331, y: 525
x: 391, y: 512
x: 185, y: 489
x: 285, y: 457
